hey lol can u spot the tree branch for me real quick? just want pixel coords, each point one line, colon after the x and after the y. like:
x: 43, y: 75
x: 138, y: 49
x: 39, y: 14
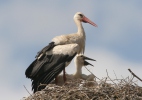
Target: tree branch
x: 134, y: 75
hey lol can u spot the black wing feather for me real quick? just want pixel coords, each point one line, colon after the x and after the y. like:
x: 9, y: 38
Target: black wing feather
x: 29, y: 69
x: 46, y: 67
x: 35, y: 65
x: 47, y: 78
x: 45, y: 49
x: 50, y: 70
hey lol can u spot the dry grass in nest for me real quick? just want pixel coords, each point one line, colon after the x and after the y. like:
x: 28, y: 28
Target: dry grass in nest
x: 118, y: 89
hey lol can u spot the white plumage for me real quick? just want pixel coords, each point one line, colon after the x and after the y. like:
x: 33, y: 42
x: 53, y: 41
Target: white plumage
x: 68, y: 49
x: 80, y: 61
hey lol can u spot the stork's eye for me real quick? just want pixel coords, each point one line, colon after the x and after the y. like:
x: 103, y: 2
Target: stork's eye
x: 81, y: 56
x: 80, y: 15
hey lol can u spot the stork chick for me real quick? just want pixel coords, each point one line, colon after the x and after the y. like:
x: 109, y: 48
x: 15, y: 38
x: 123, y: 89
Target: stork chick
x: 80, y: 61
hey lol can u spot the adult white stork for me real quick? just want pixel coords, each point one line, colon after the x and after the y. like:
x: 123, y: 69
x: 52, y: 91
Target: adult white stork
x: 47, y: 54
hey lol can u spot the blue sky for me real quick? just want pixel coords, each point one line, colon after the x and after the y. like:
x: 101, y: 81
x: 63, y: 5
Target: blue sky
x: 27, y: 26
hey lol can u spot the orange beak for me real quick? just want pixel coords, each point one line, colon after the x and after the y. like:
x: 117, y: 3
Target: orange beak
x: 86, y: 20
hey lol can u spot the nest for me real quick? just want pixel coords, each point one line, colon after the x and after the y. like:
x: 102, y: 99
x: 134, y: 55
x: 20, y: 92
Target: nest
x: 103, y: 89
x: 123, y: 89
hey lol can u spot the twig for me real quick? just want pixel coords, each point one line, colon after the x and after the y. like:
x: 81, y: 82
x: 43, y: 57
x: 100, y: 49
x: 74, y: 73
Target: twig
x: 41, y: 85
x: 124, y: 80
x: 63, y: 94
x: 134, y: 75
x: 84, y: 94
x: 114, y: 74
x: 27, y: 90
x: 91, y: 73
x: 108, y: 97
x: 105, y: 80
x: 116, y: 77
x: 110, y: 78
x: 131, y: 80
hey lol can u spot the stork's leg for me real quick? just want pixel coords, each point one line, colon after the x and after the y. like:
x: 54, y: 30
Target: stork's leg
x: 64, y: 75
x: 56, y: 80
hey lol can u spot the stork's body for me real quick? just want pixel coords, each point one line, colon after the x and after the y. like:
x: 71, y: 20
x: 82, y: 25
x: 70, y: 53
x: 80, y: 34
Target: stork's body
x: 45, y: 61
x: 71, y: 38
x: 45, y: 68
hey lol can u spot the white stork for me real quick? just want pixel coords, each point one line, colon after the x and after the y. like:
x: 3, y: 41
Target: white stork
x: 80, y: 61
x: 47, y: 60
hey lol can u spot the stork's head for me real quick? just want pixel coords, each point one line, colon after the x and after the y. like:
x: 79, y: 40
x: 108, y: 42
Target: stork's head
x: 81, y: 60
x: 81, y: 17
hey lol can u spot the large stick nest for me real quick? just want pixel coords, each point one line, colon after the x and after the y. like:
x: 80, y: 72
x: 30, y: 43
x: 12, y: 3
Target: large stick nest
x: 105, y: 89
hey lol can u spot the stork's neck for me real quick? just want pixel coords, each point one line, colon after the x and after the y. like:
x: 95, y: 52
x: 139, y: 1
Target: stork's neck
x: 80, y: 31
x: 78, y: 72
x: 81, y: 34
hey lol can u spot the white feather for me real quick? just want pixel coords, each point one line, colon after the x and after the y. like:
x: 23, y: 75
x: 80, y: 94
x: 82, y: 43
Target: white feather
x: 68, y: 49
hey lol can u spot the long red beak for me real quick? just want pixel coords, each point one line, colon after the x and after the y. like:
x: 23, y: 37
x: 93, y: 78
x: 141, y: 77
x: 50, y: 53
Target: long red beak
x: 86, y: 20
